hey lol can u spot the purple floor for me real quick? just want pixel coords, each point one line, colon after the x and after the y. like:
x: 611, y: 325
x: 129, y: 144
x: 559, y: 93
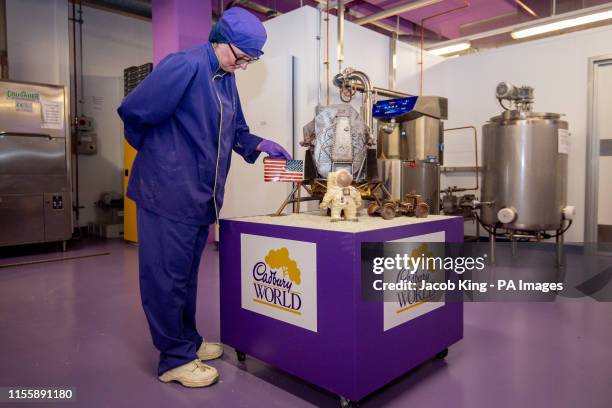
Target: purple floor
x: 79, y: 323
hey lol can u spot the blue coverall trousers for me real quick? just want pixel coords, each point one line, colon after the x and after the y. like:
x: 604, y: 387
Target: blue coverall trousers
x: 169, y: 255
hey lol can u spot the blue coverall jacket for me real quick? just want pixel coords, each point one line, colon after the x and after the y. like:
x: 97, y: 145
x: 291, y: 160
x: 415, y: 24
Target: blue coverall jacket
x: 176, y: 118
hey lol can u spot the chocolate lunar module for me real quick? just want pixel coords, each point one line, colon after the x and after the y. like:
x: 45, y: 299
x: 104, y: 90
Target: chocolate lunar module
x: 340, y: 138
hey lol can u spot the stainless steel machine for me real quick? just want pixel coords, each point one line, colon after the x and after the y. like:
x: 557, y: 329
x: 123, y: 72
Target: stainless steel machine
x: 35, y: 190
x: 410, y: 140
x: 524, y: 189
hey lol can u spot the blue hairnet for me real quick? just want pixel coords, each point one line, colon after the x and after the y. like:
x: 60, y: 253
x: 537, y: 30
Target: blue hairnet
x: 240, y: 28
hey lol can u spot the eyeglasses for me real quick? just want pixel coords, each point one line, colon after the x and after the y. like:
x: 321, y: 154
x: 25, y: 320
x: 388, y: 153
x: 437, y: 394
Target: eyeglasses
x: 242, y: 59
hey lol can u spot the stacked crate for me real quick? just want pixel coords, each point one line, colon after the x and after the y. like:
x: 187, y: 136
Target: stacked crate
x: 132, y: 76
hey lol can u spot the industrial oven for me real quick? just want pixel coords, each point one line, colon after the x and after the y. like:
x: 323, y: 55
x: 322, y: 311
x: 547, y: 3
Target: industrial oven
x: 35, y: 189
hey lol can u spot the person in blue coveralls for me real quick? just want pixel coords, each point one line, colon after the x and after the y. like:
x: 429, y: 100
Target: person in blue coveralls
x: 185, y: 119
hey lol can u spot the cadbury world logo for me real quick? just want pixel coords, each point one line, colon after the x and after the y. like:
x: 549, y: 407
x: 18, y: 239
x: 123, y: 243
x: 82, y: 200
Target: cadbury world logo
x: 275, y: 281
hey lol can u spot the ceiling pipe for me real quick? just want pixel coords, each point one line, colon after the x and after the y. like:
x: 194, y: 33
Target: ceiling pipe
x: 340, y: 36
x: 389, y: 28
x: 393, y: 61
x: 465, y: 5
x: 379, y: 24
x: 526, y: 8
x: 334, y: 4
x: 403, y: 8
x: 327, y: 50
x: 357, y: 14
x: 267, y: 11
x: 141, y: 8
x: 415, y: 40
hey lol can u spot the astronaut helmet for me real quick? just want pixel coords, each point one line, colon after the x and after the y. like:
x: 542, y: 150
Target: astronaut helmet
x: 343, y: 178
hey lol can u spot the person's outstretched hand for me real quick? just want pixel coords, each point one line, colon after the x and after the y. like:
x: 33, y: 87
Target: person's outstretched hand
x: 274, y: 150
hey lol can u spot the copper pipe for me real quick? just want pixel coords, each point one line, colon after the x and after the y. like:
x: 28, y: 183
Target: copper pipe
x: 526, y: 8
x: 465, y: 5
x: 378, y: 24
x: 393, y: 56
x: 475, y: 151
x: 319, y: 54
x: 340, y: 36
x: 327, y: 52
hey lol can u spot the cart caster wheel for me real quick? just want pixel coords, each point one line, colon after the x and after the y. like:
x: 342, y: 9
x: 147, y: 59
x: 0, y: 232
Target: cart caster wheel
x: 346, y: 403
x: 442, y: 355
x: 240, y: 356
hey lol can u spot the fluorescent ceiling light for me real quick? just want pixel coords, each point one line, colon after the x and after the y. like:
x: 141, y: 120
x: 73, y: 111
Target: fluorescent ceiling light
x: 562, y: 24
x: 451, y: 49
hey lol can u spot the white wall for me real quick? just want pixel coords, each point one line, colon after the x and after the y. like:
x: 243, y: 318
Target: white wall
x: 286, y: 39
x: 37, y: 41
x: 111, y: 42
x: 556, y: 67
x: 267, y: 116
x: 295, y: 34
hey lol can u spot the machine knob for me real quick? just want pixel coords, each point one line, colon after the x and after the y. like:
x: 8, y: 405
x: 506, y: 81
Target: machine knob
x: 506, y: 215
x: 504, y: 90
x: 569, y: 212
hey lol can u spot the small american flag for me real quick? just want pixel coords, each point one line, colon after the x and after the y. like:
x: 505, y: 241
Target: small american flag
x: 283, y: 170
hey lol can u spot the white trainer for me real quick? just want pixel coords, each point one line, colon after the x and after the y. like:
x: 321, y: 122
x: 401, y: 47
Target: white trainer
x: 209, y: 351
x: 192, y: 374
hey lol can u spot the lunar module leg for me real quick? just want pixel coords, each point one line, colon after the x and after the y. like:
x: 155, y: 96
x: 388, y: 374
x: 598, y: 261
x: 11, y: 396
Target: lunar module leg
x: 295, y: 196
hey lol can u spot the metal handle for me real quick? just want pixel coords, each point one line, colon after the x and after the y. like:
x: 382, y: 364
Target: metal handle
x: 28, y: 134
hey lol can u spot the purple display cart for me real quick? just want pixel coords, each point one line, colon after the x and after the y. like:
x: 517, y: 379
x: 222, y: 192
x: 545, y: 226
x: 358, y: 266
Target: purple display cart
x: 291, y: 297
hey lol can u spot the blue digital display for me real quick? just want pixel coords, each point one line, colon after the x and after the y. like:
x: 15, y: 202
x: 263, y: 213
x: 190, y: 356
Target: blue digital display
x: 393, y: 107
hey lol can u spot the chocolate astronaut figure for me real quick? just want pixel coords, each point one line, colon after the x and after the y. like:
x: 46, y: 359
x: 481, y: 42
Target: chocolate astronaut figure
x: 341, y: 196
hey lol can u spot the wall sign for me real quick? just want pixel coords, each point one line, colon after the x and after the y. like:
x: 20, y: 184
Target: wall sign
x: 279, y: 279
x: 412, y: 304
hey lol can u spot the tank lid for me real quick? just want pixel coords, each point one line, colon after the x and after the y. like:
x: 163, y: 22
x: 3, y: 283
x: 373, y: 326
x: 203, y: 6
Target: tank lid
x: 518, y: 115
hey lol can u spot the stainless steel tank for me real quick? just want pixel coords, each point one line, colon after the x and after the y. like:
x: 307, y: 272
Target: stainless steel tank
x: 409, y: 146
x: 524, y: 170
x: 411, y: 139
x: 406, y: 177
x: 422, y: 178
